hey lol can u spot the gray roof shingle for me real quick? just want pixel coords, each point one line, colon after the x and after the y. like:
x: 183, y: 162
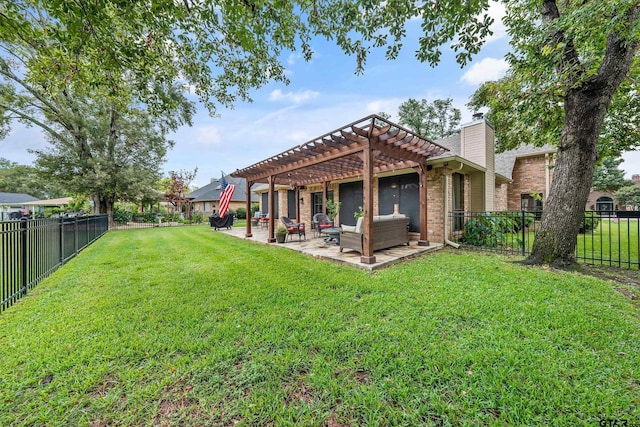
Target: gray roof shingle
x: 15, y: 198
x: 211, y: 191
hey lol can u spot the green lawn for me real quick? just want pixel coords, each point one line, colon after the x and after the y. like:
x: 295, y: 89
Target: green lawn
x: 610, y: 243
x: 184, y: 326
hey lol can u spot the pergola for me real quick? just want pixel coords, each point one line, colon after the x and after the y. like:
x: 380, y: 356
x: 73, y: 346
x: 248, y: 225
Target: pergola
x: 363, y: 148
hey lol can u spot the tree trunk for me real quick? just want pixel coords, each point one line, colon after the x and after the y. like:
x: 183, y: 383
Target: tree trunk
x: 555, y: 242
x: 585, y: 109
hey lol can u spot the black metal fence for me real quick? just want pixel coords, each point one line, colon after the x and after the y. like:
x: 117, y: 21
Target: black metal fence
x: 609, y: 239
x: 31, y: 249
x: 122, y: 222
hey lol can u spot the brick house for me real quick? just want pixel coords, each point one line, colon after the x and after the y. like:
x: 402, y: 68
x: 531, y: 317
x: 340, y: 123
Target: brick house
x: 207, y: 198
x: 468, y: 177
x: 462, y: 179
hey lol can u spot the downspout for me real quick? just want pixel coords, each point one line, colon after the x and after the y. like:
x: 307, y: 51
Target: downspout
x: 446, y: 206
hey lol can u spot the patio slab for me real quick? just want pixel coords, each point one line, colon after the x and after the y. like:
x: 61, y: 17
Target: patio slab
x: 317, y: 247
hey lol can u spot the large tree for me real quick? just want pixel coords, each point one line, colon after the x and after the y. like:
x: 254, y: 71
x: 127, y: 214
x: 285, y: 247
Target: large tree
x: 112, y: 156
x: 629, y: 196
x: 572, y: 84
x: 17, y: 178
x: 608, y: 176
x: 434, y: 120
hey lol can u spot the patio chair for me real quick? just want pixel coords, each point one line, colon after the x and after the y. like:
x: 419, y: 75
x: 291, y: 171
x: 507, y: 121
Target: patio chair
x: 264, y: 221
x: 320, y: 222
x: 293, y: 227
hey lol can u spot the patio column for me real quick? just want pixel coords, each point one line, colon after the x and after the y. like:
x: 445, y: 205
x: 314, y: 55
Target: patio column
x: 325, y: 193
x: 424, y: 231
x: 367, y: 243
x: 298, y: 219
x: 270, y: 236
x: 248, y: 207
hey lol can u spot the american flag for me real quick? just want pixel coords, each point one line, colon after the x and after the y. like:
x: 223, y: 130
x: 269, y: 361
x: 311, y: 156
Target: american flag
x: 226, y: 192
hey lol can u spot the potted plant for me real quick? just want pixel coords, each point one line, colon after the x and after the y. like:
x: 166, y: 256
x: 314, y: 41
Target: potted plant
x: 333, y: 208
x: 281, y: 234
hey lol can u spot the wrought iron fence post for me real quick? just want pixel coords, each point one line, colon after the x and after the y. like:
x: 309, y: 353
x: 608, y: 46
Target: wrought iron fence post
x: 75, y: 235
x: 61, y: 239
x: 524, y: 224
x: 23, y: 238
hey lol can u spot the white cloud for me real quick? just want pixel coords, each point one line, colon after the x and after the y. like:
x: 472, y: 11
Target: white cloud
x: 207, y: 135
x: 485, y: 70
x: 293, y: 58
x: 497, y: 11
x: 295, y: 97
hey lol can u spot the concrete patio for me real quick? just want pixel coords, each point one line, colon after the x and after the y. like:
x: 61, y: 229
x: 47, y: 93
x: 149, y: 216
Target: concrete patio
x: 317, y: 247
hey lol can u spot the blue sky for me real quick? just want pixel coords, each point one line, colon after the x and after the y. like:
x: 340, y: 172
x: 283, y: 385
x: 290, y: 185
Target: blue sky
x: 324, y: 94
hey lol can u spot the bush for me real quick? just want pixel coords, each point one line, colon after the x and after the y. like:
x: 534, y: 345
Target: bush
x: 121, y: 215
x: 241, y: 213
x: 482, y: 230
x: 197, y: 217
x: 255, y: 207
x: 489, y: 230
x: 589, y: 222
x: 171, y: 217
x: 529, y: 219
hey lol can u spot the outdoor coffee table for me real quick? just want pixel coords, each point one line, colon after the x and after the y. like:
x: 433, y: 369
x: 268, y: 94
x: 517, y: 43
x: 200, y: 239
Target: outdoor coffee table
x: 333, y: 234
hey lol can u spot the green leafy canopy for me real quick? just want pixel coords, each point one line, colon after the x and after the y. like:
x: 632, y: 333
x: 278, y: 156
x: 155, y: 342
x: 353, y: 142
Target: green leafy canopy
x: 549, y: 59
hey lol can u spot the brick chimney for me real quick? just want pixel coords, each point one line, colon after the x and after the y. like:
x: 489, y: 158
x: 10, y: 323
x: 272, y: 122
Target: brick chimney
x: 635, y: 179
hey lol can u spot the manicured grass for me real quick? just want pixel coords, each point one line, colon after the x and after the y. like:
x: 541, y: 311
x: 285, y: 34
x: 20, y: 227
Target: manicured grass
x: 610, y: 243
x: 615, y: 243
x: 184, y: 326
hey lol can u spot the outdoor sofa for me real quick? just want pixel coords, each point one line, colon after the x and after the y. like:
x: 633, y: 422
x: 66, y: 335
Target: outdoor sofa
x: 388, y: 231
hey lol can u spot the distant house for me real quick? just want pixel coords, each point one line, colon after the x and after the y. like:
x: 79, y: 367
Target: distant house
x: 207, y: 199
x: 14, y: 203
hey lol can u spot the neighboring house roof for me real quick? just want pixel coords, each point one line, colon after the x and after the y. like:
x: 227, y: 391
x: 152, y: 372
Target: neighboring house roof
x: 211, y: 191
x: 506, y: 161
x: 15, y: 198
x: 50, y: 202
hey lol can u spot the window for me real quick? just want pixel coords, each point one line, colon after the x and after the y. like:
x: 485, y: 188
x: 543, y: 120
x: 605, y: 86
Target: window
x: 207, y: 206
x: 604, y: 205
x: 532, y: 202
x: 317, y: 202
x: 457, y: 199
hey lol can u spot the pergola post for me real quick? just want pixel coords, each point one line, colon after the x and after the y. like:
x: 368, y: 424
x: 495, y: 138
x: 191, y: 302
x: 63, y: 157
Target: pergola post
x: 325, y: 194
x: 271, y: 236
x: 367, y: 200
x: 298, y: 219
x: 248, y: 206
x: 424, y: 231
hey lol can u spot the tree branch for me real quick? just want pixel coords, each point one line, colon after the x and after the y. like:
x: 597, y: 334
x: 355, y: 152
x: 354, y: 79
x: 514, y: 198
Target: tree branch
x: 6, y: 71
x: 570, y: 57
x: 619, y: 53
x: 33, y: 120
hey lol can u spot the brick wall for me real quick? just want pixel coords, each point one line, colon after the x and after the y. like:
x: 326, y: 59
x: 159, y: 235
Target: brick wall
x: 595, y: 195
x: 500, y: 201
x: 435, y: 205
x: 529, y: 175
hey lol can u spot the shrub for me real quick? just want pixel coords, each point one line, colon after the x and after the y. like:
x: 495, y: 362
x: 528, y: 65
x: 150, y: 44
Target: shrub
x: 482, y: 230
x: 255, y: 207
x: 241, y: 213
x: 197, y: 217
x: 590, y: 221
x: 489, y: 229
x: 121, y: 215
x: 529, y: 219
